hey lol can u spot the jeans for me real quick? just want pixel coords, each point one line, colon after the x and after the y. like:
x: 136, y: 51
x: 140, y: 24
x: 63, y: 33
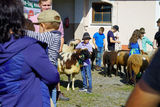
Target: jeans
x: 54, y: 95
x: 86, y: 71
x: 99, y: 56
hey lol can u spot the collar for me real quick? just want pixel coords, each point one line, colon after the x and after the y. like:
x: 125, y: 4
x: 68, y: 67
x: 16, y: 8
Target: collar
x: 84, y: 43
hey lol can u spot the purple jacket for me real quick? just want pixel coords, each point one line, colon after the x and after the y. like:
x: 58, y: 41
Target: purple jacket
x: 23, y: 65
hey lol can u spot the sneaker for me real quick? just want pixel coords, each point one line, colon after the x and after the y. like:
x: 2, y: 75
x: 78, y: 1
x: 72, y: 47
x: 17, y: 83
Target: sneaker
x: 83, y: 90
x: 89, y: 91
x: 61, y: 97
x: 98, y: 68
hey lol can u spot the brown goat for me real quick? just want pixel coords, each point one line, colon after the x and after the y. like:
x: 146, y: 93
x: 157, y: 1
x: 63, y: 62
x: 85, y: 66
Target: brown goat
x: 136, y: 63
x: 122, y: 58
x: 109, y: 58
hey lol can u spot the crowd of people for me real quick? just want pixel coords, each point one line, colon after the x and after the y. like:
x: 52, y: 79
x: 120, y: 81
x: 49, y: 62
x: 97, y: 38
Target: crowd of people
x: 28, y: 65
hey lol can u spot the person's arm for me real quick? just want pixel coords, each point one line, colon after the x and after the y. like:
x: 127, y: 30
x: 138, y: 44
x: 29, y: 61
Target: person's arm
x: 104, y: 43
x: 61, y: 46
x: 154, y: 44
x: 43, y: 37
x: 140, y: 44
x: 113, y: 41
x: 62, y: 36
x: 79, y: 46
x: 39, y: 36
x: 143, y: 96
x: 149, y: 42
x: 40, y: 62
x: 94, y: 43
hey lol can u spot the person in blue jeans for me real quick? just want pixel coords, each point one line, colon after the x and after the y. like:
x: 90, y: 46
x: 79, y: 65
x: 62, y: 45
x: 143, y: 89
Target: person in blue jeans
x: 99, y: 43
x: 86, y: 69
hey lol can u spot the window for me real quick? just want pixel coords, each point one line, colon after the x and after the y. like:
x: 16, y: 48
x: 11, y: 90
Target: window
x: 101, y: 13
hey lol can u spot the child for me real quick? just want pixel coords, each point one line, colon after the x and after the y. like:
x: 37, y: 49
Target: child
x: 99, y: 43
x: 145, y: 40
x: 111, y: 38
x: 86, y: 69
x: 49, y: 21
x: 133, y: 43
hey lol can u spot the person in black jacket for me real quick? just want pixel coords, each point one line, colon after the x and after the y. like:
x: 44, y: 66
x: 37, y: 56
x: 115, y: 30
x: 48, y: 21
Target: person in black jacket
x: 157, y: 36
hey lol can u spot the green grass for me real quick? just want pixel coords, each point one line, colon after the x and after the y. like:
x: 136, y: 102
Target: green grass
x: 104, y: 93
x: 126, y: 88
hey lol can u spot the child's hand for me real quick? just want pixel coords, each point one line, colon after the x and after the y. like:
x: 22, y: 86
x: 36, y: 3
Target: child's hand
x: 117, y: 37
x: 60, y: 50
x: 118, y: 42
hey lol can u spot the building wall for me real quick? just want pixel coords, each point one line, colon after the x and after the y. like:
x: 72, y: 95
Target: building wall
x: 129, y: 15
x: 134, y: 15
x: 66, y: 9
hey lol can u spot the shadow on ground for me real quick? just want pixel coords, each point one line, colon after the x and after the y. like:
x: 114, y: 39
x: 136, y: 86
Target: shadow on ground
x: 77, y: 84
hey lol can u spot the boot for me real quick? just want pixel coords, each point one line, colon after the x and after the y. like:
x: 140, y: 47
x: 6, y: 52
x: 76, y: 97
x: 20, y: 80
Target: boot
x: 61, y: 97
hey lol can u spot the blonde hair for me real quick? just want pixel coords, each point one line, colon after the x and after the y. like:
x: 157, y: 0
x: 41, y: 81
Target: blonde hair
x: 52, y: 25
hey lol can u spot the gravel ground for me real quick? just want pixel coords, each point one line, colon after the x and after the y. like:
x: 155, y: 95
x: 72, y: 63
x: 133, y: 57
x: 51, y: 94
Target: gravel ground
x: 107, y: 92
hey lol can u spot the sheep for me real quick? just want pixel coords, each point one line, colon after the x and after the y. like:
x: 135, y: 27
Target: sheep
x: 136, y: 63
x: 122, y: 58
x: 69, y: 63
x: 109, y: 58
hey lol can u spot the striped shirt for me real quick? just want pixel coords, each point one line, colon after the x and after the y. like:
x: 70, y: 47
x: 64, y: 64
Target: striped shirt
x: 53, y: 40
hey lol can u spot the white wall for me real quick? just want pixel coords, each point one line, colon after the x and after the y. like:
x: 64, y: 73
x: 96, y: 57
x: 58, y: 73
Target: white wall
x: 135, y: 14
x: 129, y: 15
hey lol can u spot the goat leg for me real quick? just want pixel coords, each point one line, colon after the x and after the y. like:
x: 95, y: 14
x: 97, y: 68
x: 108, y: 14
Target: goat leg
x: 124, y: 68
x: 92, y: 66
x: 105, y: 70
x: 73, y: 79
x: 134, y: 79
x: 69, y: 82
x: 127, y: 76
x: 109, y: 70
x: 117, y: 69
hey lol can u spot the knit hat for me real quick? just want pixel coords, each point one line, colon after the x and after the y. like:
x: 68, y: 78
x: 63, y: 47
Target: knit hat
x: 86, y: 36
x: 49, y: 16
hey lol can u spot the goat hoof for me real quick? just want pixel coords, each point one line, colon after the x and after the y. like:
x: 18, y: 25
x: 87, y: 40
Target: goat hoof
x: 67, y: 89
x: 110, y: 76
x: 73, y: 88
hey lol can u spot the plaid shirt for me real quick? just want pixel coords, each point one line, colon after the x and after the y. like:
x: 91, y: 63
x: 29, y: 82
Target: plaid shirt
x: 53, y: 40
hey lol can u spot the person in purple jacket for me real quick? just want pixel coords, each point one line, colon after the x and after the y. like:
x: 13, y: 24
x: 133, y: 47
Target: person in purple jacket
x: 86, y: 69
x: 25, y: 69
